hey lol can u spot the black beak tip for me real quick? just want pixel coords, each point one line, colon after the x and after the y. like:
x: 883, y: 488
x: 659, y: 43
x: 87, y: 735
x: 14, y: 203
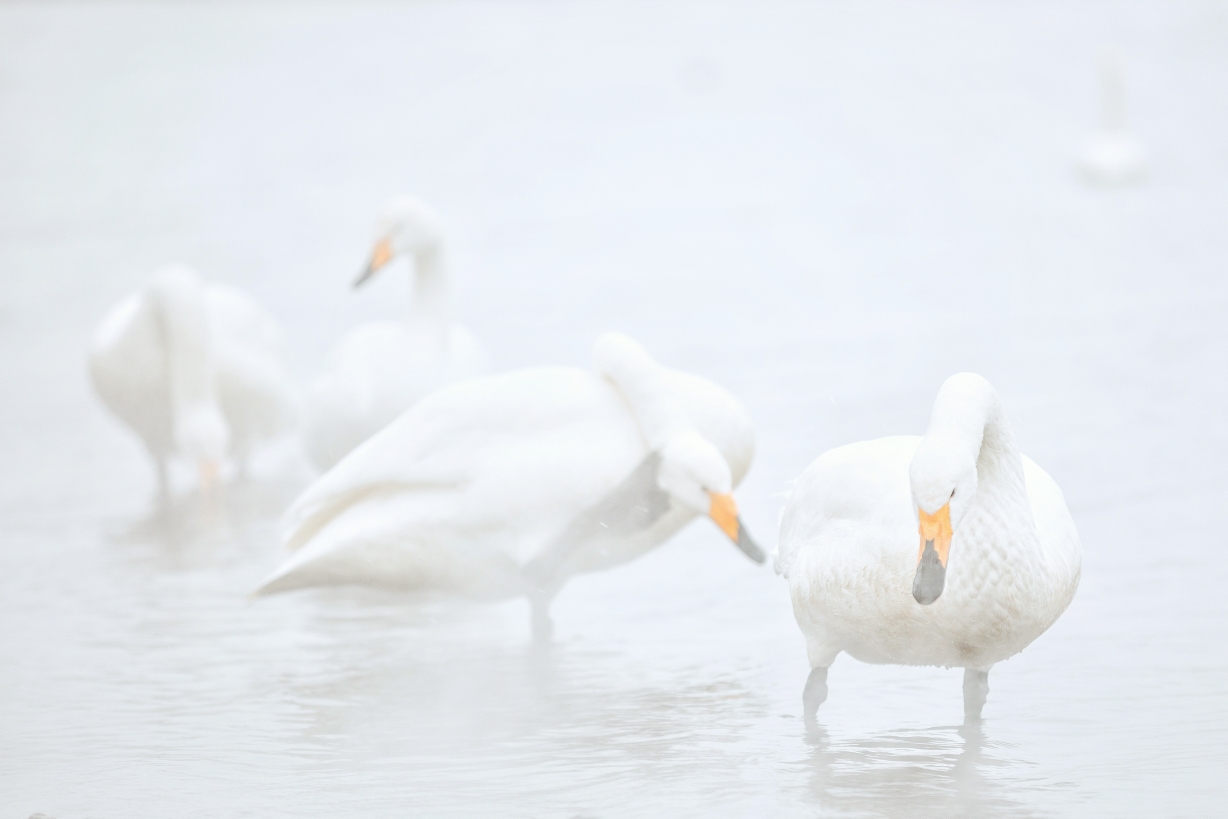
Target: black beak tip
x: 931, y: 578
x: 749, y: 547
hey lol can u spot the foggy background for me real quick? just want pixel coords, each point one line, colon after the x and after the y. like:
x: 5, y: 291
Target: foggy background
x: 827, y: 208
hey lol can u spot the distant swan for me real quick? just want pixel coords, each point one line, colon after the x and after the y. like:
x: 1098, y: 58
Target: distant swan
x: 1112, y: 155
x: 194, y: 369
x: 507, y: 485
x: 381, y: 368
x: 998, y: 561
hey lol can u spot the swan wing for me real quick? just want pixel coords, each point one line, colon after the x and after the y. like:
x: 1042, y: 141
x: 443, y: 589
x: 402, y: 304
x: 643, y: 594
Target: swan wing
x: 633, y: 507
x: 527, y: 439
x: 850, y: 504
x: 1059, y: 538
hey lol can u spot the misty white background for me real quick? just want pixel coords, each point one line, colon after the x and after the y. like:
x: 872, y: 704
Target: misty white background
x: 828, y: 208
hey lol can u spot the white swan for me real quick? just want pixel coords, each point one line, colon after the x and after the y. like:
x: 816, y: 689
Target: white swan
x: 194, y: 369
x: 381, y: 368
x: 859, y: 582
x: 506, y: 485
x: 1112, y: 155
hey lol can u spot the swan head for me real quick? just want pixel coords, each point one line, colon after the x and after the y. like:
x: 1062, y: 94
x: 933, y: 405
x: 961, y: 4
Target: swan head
x: 406, y: 226
x: 695, y: 474
x: 203, y: 436
x: 944, y: 481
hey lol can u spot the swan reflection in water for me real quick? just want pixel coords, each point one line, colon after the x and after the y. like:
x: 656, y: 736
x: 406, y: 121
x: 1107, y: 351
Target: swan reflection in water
x: 939, y: 772
x: 445, y: 700
x: 199, y: 526
x: 442, y: 698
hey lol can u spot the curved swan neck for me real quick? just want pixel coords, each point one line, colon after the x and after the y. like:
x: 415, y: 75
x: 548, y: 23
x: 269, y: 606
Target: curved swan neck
x: 969, y: 413
x: 641, y: 380
x: 969, y: 426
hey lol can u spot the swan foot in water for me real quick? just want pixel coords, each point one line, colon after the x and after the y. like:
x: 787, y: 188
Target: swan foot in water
x: 814, y: 695
x: 976, y: 691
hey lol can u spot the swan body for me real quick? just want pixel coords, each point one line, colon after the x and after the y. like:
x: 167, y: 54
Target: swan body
x: 381, y: 368
x: 194, y: 369
x: 506, y: 485
x: 1114, y: 158
x: 860, y: 582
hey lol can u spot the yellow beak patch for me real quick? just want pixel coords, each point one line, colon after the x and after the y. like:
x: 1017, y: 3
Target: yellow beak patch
x: 381, y: 255
x: 725, y: 513
x: 935, y: 531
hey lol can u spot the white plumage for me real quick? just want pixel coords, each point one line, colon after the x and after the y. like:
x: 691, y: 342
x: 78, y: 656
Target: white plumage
x: 506, y: 485
x: 381, y: 368
x: 859, y: 576
x: 194, y: 369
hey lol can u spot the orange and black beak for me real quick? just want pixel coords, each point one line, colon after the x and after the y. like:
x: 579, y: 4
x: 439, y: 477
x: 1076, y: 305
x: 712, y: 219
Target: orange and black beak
x: 725, y: 513
x: 379, y: 257
x: 931, y: 576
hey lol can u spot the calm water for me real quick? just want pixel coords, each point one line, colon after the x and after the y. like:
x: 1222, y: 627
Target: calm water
x: 828, y: 209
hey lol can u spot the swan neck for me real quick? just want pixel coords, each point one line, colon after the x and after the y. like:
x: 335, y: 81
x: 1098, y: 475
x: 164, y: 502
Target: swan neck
x: 642, y: 382
x: 430, y: 308
x: 998, y: 460
x: 970, y: 415
x: 969, y: 429
x: 1002, y: 491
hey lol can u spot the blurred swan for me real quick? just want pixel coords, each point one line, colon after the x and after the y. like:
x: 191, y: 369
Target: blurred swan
x: 1112, y: 155
x: 859, y: 582
x: 507, y: 485
x: 194, y: 369
x: 381, y: 368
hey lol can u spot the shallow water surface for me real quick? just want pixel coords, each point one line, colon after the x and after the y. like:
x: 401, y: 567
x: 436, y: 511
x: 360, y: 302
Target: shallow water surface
x: 826, y: 208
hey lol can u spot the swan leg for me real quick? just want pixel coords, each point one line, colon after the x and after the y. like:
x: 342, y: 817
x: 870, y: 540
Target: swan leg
x: 542, y: 623
x: 814, y: 695
x: 976, y: 691
x: 164, y: 481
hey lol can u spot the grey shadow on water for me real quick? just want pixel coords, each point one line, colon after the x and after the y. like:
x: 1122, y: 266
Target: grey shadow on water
x: 939, y: 772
